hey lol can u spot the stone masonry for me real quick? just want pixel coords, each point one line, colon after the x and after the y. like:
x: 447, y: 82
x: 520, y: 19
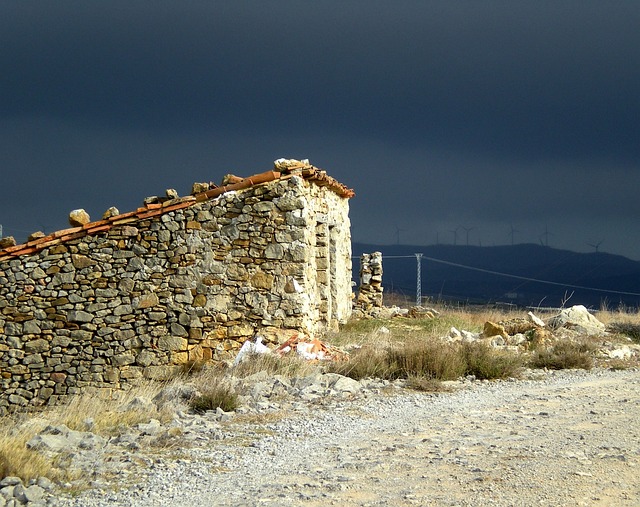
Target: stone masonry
x: 370, y: 291
x: 139, y: 294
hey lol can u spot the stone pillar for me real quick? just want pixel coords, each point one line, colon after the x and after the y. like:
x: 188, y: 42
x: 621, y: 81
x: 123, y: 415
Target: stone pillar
x: 370, y: 292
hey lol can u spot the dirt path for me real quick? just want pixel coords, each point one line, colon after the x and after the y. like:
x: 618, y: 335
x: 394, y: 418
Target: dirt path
x: 570, y: 438
x: 570, y: 441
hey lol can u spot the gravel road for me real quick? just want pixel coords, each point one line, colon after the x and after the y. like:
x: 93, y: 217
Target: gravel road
x: 565, y: 438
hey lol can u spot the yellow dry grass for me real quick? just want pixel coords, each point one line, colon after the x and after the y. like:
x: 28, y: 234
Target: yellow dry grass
x: 15, y: 459
x: 105, y: 414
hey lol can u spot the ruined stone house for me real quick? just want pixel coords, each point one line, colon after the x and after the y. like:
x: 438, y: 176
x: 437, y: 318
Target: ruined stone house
x: 181, y: 279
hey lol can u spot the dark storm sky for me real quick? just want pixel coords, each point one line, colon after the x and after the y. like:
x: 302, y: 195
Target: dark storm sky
x: 484, y: 115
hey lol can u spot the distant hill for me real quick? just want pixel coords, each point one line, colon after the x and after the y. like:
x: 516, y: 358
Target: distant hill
x: 466, y: 273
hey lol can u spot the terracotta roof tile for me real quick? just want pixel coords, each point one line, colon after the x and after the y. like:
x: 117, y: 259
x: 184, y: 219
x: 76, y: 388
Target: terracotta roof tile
x: 306, y: 171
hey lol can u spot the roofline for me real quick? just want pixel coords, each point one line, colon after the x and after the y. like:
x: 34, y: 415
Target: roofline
x: 306, y: 171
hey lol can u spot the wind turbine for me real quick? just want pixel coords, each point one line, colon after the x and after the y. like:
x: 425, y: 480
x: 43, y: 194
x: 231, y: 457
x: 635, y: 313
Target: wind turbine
x: 512, y: 233
x: 596, y: 245
x: 467, y: 229
x: 398, y: 231
x: 545, y: 235
x: 455, y: 235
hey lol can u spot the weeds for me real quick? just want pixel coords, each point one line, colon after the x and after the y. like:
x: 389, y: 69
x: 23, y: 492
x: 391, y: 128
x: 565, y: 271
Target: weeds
x: 15, y: 459
x: 214, y: 391
x: 288, y: 366
x: 627, y: 329
x: 486, y: 363
x: 565, y: 355
x: 429, y: 360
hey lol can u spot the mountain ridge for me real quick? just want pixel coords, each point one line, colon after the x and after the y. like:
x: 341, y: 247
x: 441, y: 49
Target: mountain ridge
x: 524, y: 274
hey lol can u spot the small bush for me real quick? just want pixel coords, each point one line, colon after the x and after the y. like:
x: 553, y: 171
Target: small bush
x: 564, y: 355
x: 367, y: 362
x: 219, y: 396
x: 486, y: 363
x: 627, y: 329
x: 214, y: 391
x: 426, y: 358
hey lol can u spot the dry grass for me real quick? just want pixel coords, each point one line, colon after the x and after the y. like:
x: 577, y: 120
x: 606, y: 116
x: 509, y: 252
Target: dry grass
x: 214, y: 391
x: 15, y: 459
x: 290, y: 365
x: 565, y: 355
x: 624, y: 315
x: 108, y: 413
x: 104, y: 414
x: 428, y: 359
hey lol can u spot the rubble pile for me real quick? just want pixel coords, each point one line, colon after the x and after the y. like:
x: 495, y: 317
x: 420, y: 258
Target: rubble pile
x: 532, y: 333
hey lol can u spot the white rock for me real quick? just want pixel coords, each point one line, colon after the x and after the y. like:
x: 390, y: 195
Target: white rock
x: 578, y: 318
x: 537, y: 321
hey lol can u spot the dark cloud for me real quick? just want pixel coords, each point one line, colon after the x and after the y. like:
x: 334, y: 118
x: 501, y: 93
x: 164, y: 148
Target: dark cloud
x: 438, y: 113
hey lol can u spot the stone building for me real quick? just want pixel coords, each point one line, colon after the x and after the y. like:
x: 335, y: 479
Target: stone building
x: 180, y: 279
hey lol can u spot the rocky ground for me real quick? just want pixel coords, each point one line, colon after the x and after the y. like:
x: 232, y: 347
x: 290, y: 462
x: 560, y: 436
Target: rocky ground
x: 554, y: 438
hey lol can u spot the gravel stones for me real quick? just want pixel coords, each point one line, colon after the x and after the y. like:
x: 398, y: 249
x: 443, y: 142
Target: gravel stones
x: 538, y: 441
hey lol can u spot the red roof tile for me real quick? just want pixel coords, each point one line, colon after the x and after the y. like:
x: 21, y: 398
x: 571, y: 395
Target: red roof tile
x: 308, y: 172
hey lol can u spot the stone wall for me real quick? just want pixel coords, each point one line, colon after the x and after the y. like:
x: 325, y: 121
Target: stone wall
x: 370, y: 290
x: 145, y: 295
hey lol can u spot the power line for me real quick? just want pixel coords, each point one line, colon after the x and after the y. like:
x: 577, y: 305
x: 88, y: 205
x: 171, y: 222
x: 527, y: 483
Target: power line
x: 517, y: 277
x: 530, y: 279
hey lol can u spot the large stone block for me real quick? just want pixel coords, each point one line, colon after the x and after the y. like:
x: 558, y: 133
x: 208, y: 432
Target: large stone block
x: 171, y: 343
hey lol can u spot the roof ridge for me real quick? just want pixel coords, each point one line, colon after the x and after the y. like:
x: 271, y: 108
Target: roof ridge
x: 151, y: 209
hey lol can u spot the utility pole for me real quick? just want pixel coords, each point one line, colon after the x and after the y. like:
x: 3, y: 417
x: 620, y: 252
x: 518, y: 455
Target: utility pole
x: 418, y: 280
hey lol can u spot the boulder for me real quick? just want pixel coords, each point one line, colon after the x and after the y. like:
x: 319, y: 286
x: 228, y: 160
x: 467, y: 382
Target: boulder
x: 7, y: 241
x: 577, y: 318
x: 493, y: 329
x: 78, y: 218
x: 111, y: 212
